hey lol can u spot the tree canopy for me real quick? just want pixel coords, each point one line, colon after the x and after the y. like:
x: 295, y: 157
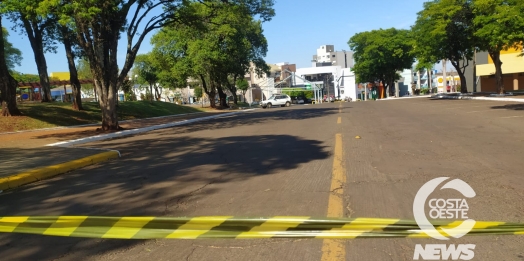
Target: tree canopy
x: 216, y: 51
x: 13, y: 55
x: 444, y: 30
x: 499, y: 25
x: 380, y: 54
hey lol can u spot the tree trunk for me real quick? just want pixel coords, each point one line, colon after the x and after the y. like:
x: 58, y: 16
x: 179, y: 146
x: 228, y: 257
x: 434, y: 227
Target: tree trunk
x: 73, y: 73
x: 7, y: 85
x: 211, y: 92
x: 460, y: 72
x: 222, y: 97
x: 150, y: 92
x: 495, y: 56
x: 429, y: 80
x: 35, y: 35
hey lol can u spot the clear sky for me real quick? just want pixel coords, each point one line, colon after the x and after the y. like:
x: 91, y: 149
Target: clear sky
x: 294, y: 34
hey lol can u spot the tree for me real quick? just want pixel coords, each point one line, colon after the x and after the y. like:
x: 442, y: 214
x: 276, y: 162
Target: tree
x: 41, y: 32
x: 147, y: 72
x: 428, y: 66
x: 7, y: 84
x: 217, y: 51
x: 67, y: 37
x: 198, y: 92
x: 99, y: 24
x: 499, y: 25
x: 444, y: 30
x: 243, y: 86
x: 380, y: 54
x: 13, y: 56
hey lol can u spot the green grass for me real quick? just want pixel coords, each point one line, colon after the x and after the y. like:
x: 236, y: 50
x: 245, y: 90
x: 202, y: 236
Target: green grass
x: 47, y: 115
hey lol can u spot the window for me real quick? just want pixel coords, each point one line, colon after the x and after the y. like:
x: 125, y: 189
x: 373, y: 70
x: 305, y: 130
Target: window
x: 333, y: 55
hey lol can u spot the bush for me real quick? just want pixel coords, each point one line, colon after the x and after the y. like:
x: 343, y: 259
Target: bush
x: 424, y: 91
x: 130, y: 96
x: 146, y: 97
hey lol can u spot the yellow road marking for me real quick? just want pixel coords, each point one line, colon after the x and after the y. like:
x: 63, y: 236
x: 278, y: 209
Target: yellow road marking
x: 339, y: 120
x: 333, y: 249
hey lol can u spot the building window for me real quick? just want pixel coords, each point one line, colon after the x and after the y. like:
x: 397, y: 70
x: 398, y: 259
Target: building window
x: 333, y: 55
x: 322, y: 47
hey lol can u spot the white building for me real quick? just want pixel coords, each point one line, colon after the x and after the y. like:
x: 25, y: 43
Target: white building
x: 327, y: 56
x: 336, y: 81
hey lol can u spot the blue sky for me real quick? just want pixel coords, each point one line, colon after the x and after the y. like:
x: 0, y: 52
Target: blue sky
x: 294, y: 34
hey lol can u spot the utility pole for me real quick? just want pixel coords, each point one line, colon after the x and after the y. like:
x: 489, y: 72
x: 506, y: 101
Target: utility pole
x: 475, y: 70
x: 444, y: 76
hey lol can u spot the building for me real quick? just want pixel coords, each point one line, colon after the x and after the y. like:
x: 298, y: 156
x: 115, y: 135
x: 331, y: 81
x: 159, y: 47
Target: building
x: 512, y: 70
x: 327, y: 56
x: 335, y: 81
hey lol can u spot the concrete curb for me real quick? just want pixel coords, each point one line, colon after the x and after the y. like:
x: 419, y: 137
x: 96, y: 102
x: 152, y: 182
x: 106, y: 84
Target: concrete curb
x: 98, y: 123
x: 479, y: 98
x: 34, y: 175
x: 140, y: 130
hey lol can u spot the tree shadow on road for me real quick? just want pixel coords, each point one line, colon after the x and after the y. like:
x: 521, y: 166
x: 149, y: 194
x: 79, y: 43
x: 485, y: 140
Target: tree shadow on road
x: 159, y: 176
x: 515, y: 106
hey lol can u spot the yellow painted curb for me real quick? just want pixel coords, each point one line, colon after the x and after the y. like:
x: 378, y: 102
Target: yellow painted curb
x: 34, y: 175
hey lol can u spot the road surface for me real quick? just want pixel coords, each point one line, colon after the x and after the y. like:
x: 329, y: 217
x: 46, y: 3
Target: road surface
x: 299, y: 161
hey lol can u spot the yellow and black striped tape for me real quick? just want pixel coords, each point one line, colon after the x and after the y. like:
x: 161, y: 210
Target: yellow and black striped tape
x: 234, y: 227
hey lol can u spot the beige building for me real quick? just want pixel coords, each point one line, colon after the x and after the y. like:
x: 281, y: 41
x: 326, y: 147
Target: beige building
x: 512, y: 69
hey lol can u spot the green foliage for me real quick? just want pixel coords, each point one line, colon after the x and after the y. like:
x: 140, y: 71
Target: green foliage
x: 84, y: 72
x: 242, y: 85
x: 216, y: 50
x: 499, y: 24
x: 21, y: 77
x: 298, y: 92
x: 380, y: 54
x: 146, y: 69
x: 13, y: 55
x: 444, y: 30
x: 198, y: 92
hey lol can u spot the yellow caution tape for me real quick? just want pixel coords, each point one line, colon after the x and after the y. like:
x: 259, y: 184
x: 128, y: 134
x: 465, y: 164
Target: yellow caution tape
x: 235, y: 227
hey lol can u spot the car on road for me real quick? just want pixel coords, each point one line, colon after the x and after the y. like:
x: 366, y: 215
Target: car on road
x: 298, y: 100
x: 276, y: 100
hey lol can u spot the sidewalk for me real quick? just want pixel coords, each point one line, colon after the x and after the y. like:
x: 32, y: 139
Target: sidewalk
x: 27, y: 159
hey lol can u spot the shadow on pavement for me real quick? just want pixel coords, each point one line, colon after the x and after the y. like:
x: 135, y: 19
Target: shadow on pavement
x: 160, y: 176
x: 516, y: 107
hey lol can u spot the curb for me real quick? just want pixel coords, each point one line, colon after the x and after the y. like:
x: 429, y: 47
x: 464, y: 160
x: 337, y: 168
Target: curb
x: 141, y: 130
x: 479, y: 98
x: 35, y: 175
x: 98, y: 123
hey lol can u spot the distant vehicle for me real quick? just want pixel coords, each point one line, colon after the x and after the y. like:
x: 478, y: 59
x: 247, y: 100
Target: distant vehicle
x: 276, y: 100
x: 298, y: 100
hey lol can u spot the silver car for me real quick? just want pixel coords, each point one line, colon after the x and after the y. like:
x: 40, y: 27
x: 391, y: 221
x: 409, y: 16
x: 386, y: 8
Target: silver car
x: 276, y: 100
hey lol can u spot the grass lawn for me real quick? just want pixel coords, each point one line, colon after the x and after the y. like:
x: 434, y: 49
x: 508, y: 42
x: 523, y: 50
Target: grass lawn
x: 47, y: 115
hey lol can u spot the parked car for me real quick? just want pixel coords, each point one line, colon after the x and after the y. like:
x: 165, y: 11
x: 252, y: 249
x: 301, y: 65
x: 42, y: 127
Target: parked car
x: 276, y: 100
x: 298, y: 100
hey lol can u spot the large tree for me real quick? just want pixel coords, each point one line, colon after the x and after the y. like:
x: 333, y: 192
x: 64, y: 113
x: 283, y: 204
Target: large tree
x: 7, y: 83
x: 99, y: 24
x: 41, y: 32
x: 499, y: 25
x: 68, y: 38
x: 148, y: 72
x: 444, y: 30
x: 380, y: 54
x: 217, y: 51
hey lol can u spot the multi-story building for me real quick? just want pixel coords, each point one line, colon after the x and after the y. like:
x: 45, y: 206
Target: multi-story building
x: 512, y: 70
x: 327, y: 56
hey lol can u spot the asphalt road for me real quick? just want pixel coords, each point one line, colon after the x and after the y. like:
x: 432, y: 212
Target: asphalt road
x: 287, y: 161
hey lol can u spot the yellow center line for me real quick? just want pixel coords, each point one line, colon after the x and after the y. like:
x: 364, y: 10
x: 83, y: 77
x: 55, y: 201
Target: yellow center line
x: 333, y: 249
x: 339, y: 120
